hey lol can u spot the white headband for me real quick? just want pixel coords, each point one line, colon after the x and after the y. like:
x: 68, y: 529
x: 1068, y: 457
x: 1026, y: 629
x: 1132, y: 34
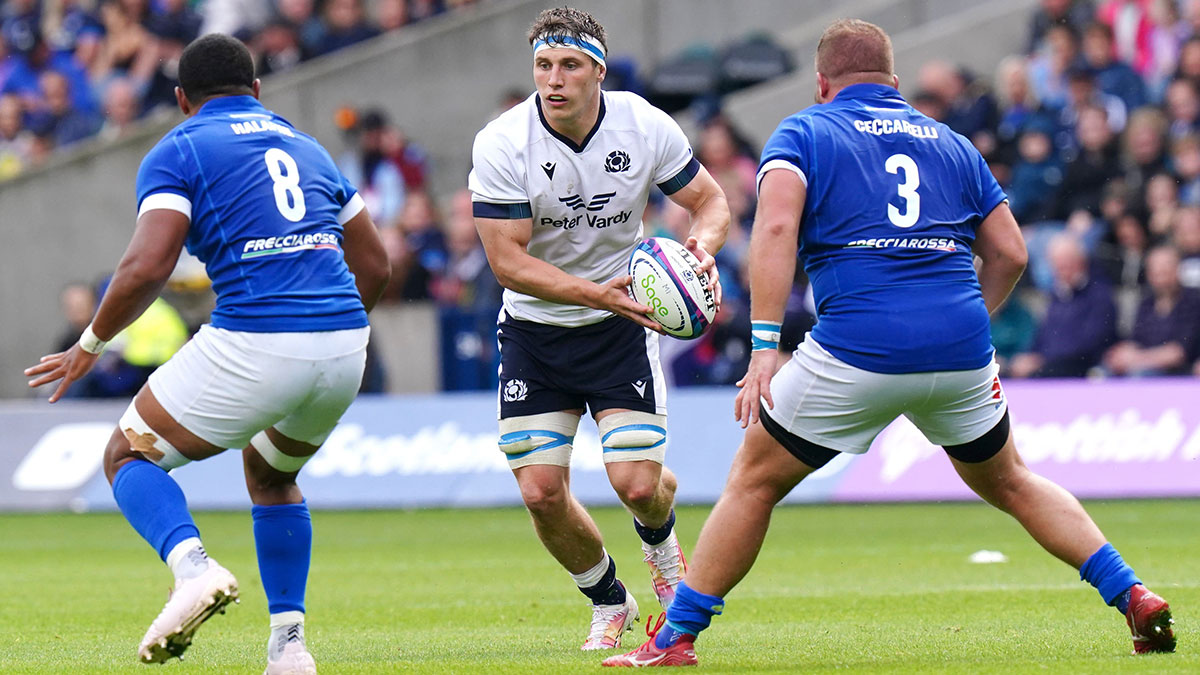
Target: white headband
x: 585, y: 43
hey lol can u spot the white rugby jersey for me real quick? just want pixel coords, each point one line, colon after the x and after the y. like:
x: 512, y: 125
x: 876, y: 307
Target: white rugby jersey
x: 586, y: 201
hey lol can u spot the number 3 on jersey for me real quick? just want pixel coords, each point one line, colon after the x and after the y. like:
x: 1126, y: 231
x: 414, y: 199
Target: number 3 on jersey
x: 289, y: 198
x: 907, y: 189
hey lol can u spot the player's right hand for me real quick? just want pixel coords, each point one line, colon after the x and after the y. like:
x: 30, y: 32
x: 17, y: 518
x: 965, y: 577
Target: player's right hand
x: 67, y: 366
x: 614, y: 297
x: 756, y: 384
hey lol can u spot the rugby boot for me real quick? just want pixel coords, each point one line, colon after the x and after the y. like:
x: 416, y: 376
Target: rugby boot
x: 667, y: 567
x: 1149, y: 619
x: 609, y: 623
x: 192, y: 602
x: 682, y: 652
x: 288, y: 655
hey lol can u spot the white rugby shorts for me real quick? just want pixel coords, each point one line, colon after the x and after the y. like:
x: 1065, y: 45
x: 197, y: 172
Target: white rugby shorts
x: 226, y: 386
x: 826, y: 401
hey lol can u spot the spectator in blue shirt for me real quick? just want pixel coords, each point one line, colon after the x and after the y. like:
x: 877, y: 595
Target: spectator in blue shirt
x: 1112, y: 76
x: 1036, y: 174
x: 1166, y: 334
x: 66, y: 123
x: 345, y: 24
x: 1080, y: 322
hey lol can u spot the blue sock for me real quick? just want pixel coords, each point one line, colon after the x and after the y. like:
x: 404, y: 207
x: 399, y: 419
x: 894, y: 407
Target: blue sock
x: 283, y: 538
x: 655, y: 535
x: 690, y: 613
x: 154, y: 505
x: 1110, y: 575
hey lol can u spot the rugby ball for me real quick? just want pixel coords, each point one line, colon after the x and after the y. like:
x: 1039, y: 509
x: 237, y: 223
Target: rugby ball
x: 668, y: 280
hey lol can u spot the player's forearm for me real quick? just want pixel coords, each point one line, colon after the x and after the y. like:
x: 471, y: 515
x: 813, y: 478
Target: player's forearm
x: 773, y: 267
x: 997, y: 278
x: 710, y: 223
x: 526, y: 274
x: 134, y: 287
x: 370, y: 288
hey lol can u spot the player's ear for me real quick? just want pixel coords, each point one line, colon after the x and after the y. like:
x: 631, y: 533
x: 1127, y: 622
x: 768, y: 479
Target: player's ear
x: 603, y: 71
x: 181, y: 99
x: 822, y: 88
x: 896, y: 81
x: 256, y: 86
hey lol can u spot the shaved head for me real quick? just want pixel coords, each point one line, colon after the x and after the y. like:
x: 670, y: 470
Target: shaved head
x: 854, y: 50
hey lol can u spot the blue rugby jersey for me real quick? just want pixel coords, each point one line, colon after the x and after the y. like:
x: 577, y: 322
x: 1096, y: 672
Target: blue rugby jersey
x: 893, y: 202
x: 267, y: 206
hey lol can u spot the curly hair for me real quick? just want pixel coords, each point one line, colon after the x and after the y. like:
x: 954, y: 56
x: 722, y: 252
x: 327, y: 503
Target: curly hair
x: 215, y: 65
x: 567, y: 21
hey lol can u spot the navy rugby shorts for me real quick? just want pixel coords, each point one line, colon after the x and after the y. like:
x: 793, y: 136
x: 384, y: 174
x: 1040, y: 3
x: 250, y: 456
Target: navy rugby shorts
x: 610, y: 364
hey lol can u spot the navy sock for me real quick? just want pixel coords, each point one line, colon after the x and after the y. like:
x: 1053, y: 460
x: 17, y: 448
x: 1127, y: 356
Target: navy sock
x: 690, y: 613
x: 283, y: 539
x: 154, y: 505
x: 657, y: 535
x: 608, y: 591
x: 1107, y: 571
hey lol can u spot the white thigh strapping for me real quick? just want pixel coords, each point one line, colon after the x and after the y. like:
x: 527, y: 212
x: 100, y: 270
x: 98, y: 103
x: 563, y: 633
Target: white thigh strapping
x: 538, y: 439
x: 633, y: 436
x: 149, y: 442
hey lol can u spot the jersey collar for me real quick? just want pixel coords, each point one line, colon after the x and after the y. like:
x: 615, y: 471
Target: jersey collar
x: 868, y: 90
x: 575, y: 147
x: 226, y: 103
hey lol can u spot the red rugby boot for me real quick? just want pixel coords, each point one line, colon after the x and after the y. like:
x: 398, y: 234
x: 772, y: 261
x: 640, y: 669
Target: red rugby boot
x: 681, y: 653
x: 1149, y: 619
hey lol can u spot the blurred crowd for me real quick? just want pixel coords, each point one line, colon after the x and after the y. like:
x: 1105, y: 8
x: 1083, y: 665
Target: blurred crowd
x: 1093, y: 130
x: 74, y: 69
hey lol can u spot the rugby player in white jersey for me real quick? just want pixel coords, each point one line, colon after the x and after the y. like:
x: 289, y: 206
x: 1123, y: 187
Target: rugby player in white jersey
x: 559, y: 184
x: 296, y: 263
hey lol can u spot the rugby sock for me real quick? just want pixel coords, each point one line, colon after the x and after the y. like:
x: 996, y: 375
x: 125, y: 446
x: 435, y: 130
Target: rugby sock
x: 690, y: 613
x: 283, y: 539
x: 187, y: 559
x: 600, y: 583
x: 657, y: 535
x: 285, y: 627
x: 154, y: 505
x: 1107, y: 571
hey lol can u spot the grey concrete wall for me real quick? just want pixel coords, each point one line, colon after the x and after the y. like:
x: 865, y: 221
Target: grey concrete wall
x: 404, y: 338
x: 976, y: 34
x: 440, y: 81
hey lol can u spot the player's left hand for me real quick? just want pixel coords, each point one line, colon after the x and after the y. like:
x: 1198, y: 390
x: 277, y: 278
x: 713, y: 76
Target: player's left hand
x: 708, y: 264
x: 756, y: 385
x: 67, y: 366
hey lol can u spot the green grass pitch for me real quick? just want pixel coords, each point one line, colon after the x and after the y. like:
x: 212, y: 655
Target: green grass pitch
x: 871, y: 589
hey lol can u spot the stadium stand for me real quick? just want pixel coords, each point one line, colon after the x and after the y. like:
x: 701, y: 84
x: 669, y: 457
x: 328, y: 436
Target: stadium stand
x: 1092, y: 126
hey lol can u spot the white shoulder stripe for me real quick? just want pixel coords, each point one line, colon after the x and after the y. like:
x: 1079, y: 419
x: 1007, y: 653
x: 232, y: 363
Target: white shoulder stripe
x: 166, y: 200
x: 351, y: 209
x: 779, y: 164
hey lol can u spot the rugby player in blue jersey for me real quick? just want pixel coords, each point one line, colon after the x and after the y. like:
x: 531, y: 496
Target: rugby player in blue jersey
x: 296, y: 264
x: 888, y: 209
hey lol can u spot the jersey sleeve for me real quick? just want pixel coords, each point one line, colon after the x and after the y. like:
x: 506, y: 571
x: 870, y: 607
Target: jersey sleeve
x: 787, y: 148
x: 162, y: 182
x: 674, y: 165
x: 989, y: 195
x: 352, y: 203
x: 497, y: 189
